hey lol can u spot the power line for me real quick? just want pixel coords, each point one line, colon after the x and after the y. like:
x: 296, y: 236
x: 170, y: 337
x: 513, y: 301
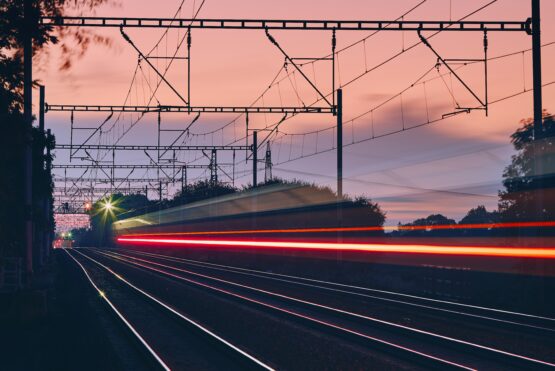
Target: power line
x: 408, y: 128
x: 375, y: 67
x: 395, y: 56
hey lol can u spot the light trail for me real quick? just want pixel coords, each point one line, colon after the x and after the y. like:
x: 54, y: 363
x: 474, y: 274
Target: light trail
x: 512, y: 252
x: 259, y: 274
x: 118, y: 313
x: 321, y: 306
x: 194, y: 323
x: 368, y: 229
x: 293, y: 313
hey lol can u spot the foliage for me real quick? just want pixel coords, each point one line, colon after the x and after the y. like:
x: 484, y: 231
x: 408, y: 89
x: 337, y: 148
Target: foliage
x: 16, y: 134
x: 201, y: 190
x: 429, y: 221
x: 528, y: 195
x: 434, y: 219
x: 480, y: 215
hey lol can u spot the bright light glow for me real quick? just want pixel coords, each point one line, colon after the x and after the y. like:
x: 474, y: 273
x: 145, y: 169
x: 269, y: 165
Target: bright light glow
x: 108, y: 208
x: 543, y: 253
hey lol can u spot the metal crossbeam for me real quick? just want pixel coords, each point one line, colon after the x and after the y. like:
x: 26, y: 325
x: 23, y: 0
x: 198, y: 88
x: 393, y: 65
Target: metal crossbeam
x: 118, y: 147
x: 89, y: 190
x: 115, y: 180
x: 108, y: 166
x: 288, y: 24
x: 184, y: 109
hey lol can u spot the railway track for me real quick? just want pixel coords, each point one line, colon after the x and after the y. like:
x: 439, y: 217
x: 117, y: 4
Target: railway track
x: 169, y: 338
x: 423, y: 347
x: 501, y: 317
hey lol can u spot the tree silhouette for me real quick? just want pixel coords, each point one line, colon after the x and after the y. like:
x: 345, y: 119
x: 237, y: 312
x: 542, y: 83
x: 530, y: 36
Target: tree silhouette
x: 431, y: 220
x: 73, y: 43
x: 480, y: 215
x: 524, y: 188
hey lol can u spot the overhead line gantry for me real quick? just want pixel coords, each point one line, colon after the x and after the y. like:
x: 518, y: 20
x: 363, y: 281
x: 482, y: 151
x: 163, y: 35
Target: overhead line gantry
x: 128, y: 147
x: 184, y: 109
x: 529, y: 26
x: 289, y: 24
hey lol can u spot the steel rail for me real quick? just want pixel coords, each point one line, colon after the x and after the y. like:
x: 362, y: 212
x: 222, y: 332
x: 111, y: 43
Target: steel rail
x: 412, y: 352
x: 118, y: 313
x: 182, y: 316
x: 266, y: 275
x: 479, y: 347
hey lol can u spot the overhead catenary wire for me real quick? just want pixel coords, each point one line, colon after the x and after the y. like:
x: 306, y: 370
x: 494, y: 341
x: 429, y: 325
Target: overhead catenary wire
x: 375, y: 67
x: 419, y: 81
x: 426, y: 123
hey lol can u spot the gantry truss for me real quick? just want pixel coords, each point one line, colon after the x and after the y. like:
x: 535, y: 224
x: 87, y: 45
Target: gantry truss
x: 333, y: 107
x: 184, y: 109
x: 289, y: 24
x: 129, y: 166
x: 110, y: 180
x: 124, y: 147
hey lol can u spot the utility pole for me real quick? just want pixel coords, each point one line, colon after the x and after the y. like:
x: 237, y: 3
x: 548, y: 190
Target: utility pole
x: 28, y: 136
x: 537, y: 68
x: 183, y: 179
x: 538, y: 109
x: 339, y: 114
x: 41, y: 109
x: 113, y: 168
x: 254, y: 158
x: 189, y: 68
x: 214, y: 168
x: 43, y: 202
x: 268, y: 163
x: 50, y: 224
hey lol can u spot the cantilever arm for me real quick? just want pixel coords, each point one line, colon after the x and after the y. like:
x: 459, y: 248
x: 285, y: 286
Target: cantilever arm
x: 273, y: 41
x: 427, y: 43
x: 128, y: 39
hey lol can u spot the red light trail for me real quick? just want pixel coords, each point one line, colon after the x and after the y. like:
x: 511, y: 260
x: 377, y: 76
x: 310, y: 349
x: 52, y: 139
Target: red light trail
x: 370, y: 228
x: 538, y: 253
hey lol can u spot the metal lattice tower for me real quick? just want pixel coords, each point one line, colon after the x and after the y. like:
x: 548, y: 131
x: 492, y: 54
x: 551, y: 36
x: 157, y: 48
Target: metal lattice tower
x: 268, y: 163
x: 213, y: 167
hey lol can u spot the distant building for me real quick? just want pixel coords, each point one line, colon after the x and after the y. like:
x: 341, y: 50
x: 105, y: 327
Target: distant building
x: 67, y: 222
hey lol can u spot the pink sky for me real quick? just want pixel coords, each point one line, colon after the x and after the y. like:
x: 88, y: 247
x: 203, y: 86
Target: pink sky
x: 448, y: 167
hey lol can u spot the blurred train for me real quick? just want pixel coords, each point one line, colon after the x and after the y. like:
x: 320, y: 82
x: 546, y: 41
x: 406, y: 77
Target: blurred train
x: 267, y: 210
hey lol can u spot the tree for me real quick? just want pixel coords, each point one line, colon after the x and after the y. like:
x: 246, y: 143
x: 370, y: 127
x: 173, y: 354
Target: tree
x: 201, y: 190
x: 529, y: 195
x: 480, y: 215
x: 377, y: 215
x: 431, y: 220
x: 73, y: 43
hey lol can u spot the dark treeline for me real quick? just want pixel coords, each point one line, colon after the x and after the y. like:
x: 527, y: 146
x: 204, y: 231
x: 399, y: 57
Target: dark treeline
x: 19, y: 22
